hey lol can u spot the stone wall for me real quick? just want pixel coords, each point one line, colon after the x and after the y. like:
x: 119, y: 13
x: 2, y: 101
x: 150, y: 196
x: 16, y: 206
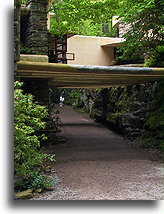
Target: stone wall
x: 34, y: 27
x: 30, y: 27
x: 134, y: 111
x: 16, y: 33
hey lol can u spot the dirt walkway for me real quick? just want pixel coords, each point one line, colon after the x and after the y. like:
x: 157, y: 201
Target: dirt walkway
x: 96, y: 164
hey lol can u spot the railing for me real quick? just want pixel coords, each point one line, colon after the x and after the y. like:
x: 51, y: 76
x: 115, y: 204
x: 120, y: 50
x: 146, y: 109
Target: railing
x: 60, y: 57
x: 58, y: 54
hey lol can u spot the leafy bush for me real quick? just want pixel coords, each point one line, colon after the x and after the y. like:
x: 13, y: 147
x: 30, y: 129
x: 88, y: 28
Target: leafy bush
x: 84, y: 17
x: 156, y: 57
x: 129, y: 55
x: 23, y: 1
x: 144, y: 38
x: 73, y: 97
x: 28, y: 156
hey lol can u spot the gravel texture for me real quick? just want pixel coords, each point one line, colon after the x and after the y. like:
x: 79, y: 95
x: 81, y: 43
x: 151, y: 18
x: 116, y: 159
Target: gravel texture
x: 97, y: 164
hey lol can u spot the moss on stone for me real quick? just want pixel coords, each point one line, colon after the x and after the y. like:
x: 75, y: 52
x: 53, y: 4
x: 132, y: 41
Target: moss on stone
x: 112, y: 117
x: 135, y: 111
x: 27, y: 194
x: 152, y: 134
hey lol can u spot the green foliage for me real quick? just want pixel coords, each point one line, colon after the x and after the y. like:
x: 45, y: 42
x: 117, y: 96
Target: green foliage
x: 28, y: 156
x: 85, y: 17
x: 113, y: 117
x: 72, y: 97
x: 23, y: 1
x: 156, y: 57
x: 145, y: 34
x: 24, y: 49
x: 129, y: 53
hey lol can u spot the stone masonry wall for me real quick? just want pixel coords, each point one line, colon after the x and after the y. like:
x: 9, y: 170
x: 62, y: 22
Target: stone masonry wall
x: 36, y: 32
x: 134, y: 111
x: 30, y: 27
x: 16, y: 33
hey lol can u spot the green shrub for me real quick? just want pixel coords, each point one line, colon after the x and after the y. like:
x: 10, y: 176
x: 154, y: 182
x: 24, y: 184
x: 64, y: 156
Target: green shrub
x: 72, y: 97
x: 28, y: 156
x: 23, y: 1
x: 155, y: 58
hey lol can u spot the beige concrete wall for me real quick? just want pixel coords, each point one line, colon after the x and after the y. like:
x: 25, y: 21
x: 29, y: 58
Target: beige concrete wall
x: 88, y: 50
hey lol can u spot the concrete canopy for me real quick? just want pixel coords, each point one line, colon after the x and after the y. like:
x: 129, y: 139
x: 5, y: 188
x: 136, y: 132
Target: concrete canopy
x: 79, y: 76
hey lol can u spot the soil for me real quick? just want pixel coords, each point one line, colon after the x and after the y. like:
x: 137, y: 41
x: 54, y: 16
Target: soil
x: 97, y: 164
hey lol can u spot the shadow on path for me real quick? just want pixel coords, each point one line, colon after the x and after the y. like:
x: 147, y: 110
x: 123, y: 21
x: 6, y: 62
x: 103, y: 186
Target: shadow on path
x: 97, y: 164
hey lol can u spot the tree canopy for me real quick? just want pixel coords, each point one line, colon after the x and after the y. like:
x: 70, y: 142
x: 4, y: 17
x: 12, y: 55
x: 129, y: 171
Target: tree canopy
x: 85, y: 17
x: 145, y: 35
x: 144, y: 39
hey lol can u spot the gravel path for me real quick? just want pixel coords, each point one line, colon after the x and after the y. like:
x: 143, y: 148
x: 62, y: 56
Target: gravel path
x: 97, y: 164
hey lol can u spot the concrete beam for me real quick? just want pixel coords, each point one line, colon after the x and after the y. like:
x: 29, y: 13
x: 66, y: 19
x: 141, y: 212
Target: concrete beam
x: 64, y: 75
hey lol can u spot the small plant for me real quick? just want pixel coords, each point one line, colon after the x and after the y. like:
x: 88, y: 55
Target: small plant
x: 24, y: 49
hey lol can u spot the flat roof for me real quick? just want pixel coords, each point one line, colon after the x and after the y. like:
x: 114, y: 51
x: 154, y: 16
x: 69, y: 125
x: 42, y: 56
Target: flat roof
x: 113, y: 44
x: 97, y: 37
x: 105, y: 41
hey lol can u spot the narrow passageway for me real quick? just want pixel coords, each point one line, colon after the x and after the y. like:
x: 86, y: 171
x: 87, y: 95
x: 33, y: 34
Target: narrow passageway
x: 97, y: 164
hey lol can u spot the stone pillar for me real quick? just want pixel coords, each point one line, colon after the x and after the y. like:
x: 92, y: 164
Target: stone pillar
x: 37, y: 35
x: 17, y: 4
